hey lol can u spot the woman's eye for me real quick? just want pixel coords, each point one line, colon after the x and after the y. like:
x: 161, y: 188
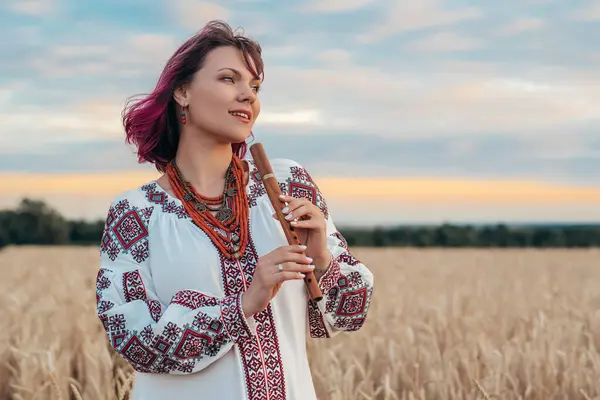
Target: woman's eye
x: 229, y: 78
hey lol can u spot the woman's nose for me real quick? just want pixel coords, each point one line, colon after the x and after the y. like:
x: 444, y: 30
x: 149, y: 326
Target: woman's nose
x: 248, y: 94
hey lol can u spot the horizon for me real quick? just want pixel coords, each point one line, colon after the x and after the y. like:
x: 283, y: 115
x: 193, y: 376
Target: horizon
x: 392, y: 225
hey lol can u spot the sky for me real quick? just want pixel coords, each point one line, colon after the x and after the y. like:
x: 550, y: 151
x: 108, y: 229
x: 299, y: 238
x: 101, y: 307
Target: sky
x: 403, y: 111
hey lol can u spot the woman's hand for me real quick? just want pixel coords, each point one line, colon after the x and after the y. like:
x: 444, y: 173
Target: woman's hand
x: 310, y: 225
x: 268, y: 277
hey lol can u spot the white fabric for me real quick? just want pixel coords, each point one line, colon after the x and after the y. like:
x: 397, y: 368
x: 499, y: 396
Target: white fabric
x: 160, y: 289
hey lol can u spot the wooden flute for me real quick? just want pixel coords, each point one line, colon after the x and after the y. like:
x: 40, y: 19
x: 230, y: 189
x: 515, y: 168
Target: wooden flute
x: 273, y: 191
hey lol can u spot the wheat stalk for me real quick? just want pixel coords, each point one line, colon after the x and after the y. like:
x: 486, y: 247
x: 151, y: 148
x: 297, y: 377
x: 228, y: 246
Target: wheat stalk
x: 481, y: 390
x: 489, y: 324
x: 76, y: 392
x: 127, y: 385
x: 55, y: 385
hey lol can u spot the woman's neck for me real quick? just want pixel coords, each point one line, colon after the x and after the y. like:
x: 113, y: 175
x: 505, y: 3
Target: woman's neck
x: 204, y: 163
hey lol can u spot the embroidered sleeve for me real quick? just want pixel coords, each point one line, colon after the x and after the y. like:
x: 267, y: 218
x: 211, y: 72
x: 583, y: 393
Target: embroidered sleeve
x: 347, y: 291
x: 348, y: 284
x: 182, y: 337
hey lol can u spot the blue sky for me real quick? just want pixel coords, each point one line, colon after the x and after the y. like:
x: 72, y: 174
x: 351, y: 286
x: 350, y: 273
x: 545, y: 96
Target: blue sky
x: 430, y: 88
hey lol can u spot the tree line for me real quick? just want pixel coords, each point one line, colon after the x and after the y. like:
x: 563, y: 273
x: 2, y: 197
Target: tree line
x: 34, y: 222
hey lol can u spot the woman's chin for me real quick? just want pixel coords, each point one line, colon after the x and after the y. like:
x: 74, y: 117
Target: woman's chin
x: 241, y: 137
x: 236, y: 138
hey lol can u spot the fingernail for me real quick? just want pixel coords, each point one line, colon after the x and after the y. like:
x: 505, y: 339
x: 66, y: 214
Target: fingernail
x: 285, y: 210
x: 302, y: 275
x: 289, y: 216
x: 303, y: 247
x: 282, y: 196
x: 294, y: 222
x: 311, y: 267
x: 309, y: 259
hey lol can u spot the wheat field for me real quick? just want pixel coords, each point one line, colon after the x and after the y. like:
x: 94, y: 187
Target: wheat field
x: 444, y: 324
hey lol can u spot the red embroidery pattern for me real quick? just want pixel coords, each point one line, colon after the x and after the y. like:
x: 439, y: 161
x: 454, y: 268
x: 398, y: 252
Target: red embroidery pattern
x: 192, y: 299
x: 352, y: 303
x: 261, y: 357
x: 102, y: 283
x: 316, y: 321
x: 233, y: 315
x: 177, y: 347
x: 300, y: 184
x: 133, y: 286
x: 155, y: 309
x: 256, y: 189
x: 284, y: 188
x: 126, y: 231
x: 156, y: 195
x: 342, y: 240
x: 347, y: 297
x: 104, y: 305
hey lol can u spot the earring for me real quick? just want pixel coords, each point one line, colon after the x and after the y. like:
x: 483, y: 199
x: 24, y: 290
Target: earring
x: 183, y: 117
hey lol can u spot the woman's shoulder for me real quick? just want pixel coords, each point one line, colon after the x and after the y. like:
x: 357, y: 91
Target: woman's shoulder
x: 134, y: 204
x: 283, y: 168
x: 134, y: 197
x: 127, y: 225
x: 291, y: 170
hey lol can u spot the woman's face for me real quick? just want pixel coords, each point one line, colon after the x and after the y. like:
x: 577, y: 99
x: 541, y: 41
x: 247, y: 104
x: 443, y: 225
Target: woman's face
x: 222, y: 98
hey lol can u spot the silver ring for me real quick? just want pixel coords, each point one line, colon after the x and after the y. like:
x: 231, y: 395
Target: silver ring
x: 280, y: 267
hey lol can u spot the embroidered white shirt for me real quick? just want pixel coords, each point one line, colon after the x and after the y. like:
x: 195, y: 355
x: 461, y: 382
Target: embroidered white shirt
x: 171, y: 304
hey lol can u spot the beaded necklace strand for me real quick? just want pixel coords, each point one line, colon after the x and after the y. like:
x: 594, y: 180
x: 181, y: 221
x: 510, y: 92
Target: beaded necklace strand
x: 231, y: 208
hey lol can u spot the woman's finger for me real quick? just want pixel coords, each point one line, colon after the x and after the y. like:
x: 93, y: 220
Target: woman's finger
x: 293, y: 203
x: 306, y: 224
x: 288, y: 276
x: 293, y: 267
x: 299, y: 212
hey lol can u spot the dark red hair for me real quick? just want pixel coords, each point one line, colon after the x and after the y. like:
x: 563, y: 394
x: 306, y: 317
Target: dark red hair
x: 151, y: 124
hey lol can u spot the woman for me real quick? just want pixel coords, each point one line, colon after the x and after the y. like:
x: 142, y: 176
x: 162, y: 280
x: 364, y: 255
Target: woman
x: 198, y: 289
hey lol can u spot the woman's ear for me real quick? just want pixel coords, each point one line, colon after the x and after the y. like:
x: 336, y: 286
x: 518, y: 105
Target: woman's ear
x: 181, y: 96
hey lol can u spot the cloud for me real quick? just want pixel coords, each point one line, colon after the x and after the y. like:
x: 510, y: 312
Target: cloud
x: 407, y: 101
x: 133, y: 55
x: 447, y: 98
x: 32, y: 7
x: 565, y: 147
x: 76, y: 123
x: 445, y: 42
x: 101, y: 120
x: 520, y: 25
x: 408, y: 15
x: 425, y: 94
x: 193, y: 14
x: 591, y: 12
x: 335, y: 57
x: 9, y: 91
x: 334, y: 6
x: 304, y: 117
x: 345, y: 91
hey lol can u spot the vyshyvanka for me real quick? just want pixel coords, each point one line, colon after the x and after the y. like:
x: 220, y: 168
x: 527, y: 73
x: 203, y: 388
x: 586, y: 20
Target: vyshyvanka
x: 169, y: 295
